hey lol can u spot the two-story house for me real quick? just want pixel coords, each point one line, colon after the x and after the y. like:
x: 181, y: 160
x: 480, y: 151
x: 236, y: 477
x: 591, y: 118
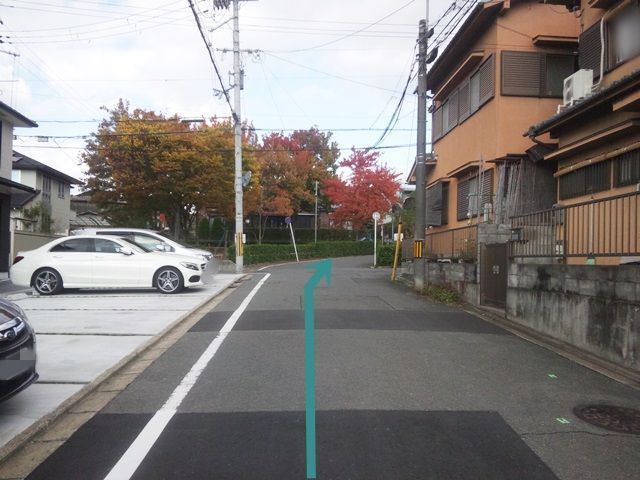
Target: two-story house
x: 53, y: 192
x: 501, y: 72
x: 9, y: 119
x: 597, y: 132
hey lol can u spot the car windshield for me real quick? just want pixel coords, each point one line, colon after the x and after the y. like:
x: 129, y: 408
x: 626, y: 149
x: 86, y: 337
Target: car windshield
x: 169, y: 239
x: 136, y: 246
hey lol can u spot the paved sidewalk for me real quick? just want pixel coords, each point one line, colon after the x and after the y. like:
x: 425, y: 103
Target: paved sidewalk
x: 81, y: 335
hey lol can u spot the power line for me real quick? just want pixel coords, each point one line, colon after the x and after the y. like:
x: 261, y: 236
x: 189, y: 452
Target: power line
x: 213, y: 62
x: 349, y: 34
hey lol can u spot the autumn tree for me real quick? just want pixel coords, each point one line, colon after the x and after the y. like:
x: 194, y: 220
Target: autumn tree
x: 281, y: 188
x: 367, y: 188
x: 325, y: 161
x: 141, y: 164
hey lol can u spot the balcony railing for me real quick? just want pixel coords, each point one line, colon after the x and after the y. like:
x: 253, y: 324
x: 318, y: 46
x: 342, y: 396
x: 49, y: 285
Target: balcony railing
x: 608, y: 227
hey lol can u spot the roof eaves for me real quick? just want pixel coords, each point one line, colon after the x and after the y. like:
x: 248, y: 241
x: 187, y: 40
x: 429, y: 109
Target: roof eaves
x: 584, y: 105
x: 18, y: 119
x: 473, y: 25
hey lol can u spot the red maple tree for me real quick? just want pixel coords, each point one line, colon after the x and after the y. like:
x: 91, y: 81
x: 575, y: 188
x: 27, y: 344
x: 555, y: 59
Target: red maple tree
x: 369, y: 187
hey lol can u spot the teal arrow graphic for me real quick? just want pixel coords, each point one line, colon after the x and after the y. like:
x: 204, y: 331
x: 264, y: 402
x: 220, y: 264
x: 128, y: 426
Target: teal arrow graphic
x: 321, y: 269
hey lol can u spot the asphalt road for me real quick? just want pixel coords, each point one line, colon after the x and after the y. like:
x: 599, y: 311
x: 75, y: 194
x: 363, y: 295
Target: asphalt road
x: 406, y: 389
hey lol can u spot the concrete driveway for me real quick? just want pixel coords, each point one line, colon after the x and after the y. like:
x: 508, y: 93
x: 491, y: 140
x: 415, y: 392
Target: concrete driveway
x: 83, y: 334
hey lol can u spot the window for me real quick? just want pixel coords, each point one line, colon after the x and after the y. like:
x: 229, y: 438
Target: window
x: 106, y: 246
x: 468, y: 195
x: 589, y: 49
x: 74, y: 245
x: 590, y: 179
x: 628, y: 168
x: 624, y: 35
x: 535, y: 74
x: 437, y: 204
x: 465, y: 100
x: 46, y: 189
x: 61, y: 189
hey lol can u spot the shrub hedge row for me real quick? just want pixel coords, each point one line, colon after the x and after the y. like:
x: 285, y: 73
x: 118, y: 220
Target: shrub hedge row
x: 267, y: 253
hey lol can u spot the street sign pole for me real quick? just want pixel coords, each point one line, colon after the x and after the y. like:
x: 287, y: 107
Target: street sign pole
x: 376, y: 217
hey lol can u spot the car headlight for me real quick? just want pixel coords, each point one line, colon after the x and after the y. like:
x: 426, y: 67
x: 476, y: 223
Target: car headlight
x: 190, y: 266
x: 206, y: 256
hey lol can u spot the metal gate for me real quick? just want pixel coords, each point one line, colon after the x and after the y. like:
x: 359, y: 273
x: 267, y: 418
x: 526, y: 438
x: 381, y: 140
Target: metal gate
x: 493, y: 278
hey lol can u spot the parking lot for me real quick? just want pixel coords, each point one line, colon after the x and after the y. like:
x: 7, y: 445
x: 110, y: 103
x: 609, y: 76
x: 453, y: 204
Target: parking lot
x: 83, y: 334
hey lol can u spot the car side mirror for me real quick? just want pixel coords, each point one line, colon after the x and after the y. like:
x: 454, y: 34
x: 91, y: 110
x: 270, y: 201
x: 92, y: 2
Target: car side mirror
x: 125, y: 251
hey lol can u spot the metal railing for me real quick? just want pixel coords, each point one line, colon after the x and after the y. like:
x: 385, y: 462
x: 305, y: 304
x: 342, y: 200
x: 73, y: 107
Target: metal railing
x: 458, y: 243
x: 608, y: 227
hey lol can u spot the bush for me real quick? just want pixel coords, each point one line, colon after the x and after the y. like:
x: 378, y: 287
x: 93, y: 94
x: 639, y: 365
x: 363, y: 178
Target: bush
x: 268, y: 253
x: 441, y: 294
x: 385, y: 254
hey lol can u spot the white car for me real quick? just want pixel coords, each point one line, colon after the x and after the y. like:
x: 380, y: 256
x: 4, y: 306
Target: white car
x: 149, y: 239
x: 97, y: 261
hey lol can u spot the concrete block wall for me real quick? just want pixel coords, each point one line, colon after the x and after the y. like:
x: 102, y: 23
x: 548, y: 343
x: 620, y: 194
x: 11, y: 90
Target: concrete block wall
x: 492, y: 233
x: 595, y: 308
x: 458, y: 276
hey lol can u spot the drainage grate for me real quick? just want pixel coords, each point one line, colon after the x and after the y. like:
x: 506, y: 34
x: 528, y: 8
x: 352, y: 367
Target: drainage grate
x: 618, y: 419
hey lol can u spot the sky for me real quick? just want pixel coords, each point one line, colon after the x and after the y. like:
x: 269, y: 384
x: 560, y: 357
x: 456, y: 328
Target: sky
x: 339, y: 65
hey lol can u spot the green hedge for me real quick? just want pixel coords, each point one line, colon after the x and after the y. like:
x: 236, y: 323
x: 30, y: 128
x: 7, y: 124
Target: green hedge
x: 273, y: 253
x: 385, y: 254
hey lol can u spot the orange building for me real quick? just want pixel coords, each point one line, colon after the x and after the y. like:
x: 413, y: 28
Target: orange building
x: 502, y: 72
x: 597, y: 132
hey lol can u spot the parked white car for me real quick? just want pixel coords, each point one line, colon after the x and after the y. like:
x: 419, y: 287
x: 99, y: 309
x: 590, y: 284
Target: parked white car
x: 149, y: 239
x: 98, y: 261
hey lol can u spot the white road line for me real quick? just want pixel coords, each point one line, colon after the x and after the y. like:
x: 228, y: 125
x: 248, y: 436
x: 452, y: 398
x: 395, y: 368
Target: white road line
x: 138, y: 450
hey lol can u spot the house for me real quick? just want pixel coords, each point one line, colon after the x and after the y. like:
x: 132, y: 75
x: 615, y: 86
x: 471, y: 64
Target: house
x: 85, y: 213
x: 9, y: 119
x: 500, y: 73
x: 597, y: 134
x: 52, y: 196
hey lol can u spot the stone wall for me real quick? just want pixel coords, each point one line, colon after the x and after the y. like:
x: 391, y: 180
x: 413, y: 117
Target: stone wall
x: 461, y: 277
x: 595, y: 308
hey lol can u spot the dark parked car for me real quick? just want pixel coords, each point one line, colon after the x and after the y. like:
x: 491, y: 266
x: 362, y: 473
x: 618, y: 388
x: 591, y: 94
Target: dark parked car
x: 17, y: 350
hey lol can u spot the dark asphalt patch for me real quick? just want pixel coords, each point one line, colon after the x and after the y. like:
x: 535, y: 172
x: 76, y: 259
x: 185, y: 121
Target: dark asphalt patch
x: 252, y: 320
x: 350, y: 445
x: 93, y: 450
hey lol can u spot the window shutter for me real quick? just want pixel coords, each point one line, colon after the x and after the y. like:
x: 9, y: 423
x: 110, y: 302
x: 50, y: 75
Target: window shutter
x: 463, y: 101
x: 486, y: 80
x: 521, y: 73
x: 434, y: 205
x: 437, y: 124
x: 487, y: 188
x: 452, y: 104
x: 463, y: 200
x: 589, y: 50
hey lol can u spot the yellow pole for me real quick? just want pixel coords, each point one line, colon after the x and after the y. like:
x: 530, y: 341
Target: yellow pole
x: 395, y: 256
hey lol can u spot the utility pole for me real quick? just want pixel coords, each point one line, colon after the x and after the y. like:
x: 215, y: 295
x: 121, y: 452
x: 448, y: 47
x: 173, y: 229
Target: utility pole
x: 421, y: 212
x: 237, y: 131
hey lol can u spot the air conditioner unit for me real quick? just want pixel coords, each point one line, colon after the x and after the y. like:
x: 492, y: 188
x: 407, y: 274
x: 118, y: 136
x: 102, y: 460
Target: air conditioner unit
x: 577, y: 86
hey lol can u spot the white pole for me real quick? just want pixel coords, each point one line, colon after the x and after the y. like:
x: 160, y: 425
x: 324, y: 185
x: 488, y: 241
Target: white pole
x: 237, y: 129
x: 294, y: 242
x: 315, y: 232
x: 375, y: 242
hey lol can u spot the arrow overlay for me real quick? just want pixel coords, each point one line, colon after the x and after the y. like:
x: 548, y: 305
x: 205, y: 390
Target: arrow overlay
x: 321, y: 269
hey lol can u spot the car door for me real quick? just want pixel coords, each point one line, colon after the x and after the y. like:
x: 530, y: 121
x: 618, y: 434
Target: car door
x: 112, y: 268
x: 72, y: 259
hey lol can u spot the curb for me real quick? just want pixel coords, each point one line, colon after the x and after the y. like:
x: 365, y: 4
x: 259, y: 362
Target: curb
x: 23, y: 438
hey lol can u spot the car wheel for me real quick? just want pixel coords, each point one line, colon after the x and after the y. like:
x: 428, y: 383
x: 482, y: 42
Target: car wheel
x: 168, y: 280
x: 47, y: 281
